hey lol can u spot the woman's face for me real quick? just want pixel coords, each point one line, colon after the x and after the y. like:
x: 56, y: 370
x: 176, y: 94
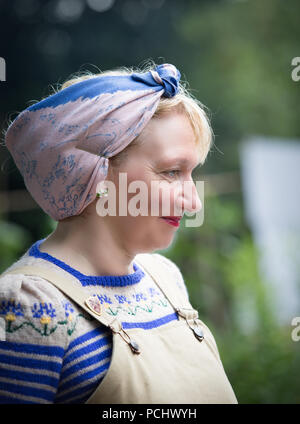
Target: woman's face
x: 166, y: 143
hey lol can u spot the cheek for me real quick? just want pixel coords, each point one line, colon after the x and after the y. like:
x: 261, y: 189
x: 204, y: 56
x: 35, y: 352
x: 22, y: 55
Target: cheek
x: 138, y: 193
x: 162, y: 199
x: 156, y: 194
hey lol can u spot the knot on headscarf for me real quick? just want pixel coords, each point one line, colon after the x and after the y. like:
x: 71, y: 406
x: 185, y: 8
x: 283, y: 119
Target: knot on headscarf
x: 166, y: 75
x: 62, y: 144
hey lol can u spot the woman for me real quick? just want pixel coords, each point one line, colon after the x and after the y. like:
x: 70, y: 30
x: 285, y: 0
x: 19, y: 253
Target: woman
x: 92, y: 314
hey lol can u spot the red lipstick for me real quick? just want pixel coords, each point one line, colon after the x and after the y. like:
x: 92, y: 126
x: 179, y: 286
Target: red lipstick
x: 172, y: 220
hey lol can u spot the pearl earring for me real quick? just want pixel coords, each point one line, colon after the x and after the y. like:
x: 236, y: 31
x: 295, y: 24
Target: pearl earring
x: 102, y: 193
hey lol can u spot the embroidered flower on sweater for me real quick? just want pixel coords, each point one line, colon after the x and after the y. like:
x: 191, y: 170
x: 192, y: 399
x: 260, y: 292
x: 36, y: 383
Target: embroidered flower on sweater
x: 10, y: 310
x: 69, y: 310
x: 43, y: 310
x: 42, y: 317
x: 104, y: 299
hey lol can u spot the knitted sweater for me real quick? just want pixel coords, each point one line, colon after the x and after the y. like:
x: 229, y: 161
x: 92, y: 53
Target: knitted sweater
x: 51, y: 350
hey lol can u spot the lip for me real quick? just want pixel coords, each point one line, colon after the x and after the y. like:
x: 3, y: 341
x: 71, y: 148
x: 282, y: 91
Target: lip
x: 175, y: 221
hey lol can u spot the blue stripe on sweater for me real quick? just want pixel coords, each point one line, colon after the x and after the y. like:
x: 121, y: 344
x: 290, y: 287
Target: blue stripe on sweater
x: 31, y: 363
x: 151, y: 324
x: 33, y: 348
x: 30, y: 377
x: 79, y: 390
x: 78, y: 366
x: 5, y: 400
x: 29, y: 391
x: 83, y: 398
x: 87, y: 336
x: 104, y: 341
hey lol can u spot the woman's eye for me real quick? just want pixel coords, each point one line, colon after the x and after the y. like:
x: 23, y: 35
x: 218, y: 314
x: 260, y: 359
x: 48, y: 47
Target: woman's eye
x: 173, y: 171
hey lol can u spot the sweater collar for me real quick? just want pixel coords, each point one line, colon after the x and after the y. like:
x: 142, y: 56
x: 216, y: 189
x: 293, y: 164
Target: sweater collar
x: 104, y: 280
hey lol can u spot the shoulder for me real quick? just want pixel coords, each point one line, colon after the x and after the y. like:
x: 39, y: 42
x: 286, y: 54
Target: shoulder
x: 29, y: 289
x: 174, y: 269
x: 171, y: 267
x: 33, y: 310
x: 30, y: 309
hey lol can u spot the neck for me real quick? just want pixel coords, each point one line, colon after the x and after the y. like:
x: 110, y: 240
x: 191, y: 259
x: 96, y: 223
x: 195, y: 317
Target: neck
x: 89, y: 245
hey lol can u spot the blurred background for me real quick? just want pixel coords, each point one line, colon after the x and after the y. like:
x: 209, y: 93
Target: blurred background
x: 242, y: 266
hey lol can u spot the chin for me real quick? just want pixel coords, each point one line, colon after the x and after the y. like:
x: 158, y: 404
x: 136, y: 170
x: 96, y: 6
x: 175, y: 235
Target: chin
x: 162, y: 246
x: 155, y: 246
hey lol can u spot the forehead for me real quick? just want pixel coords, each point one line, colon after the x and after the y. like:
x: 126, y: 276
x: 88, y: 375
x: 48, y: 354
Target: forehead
x: 169, y: 138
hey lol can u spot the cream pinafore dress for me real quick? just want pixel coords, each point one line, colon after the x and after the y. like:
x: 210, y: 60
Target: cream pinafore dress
x: 173, y: 364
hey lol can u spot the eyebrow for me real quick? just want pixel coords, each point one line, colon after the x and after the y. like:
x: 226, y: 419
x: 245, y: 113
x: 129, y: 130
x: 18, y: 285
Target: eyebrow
x: 179, y: 161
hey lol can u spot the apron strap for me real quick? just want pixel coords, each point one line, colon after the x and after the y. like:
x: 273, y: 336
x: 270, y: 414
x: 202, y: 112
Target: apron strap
x: 67, y: 286
x: 164, y: 279
x: 167, y: 284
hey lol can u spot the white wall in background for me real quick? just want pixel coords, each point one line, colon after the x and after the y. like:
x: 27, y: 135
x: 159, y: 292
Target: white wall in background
x: 270, y: 172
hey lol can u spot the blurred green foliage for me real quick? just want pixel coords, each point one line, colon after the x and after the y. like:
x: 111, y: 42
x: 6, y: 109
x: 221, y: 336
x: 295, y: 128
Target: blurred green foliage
x: 220, y: 264
x: 236, y: 56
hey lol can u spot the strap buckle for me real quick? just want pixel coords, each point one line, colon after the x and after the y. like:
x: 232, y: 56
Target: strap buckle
x: 116, y: 327
x: 191, y: 317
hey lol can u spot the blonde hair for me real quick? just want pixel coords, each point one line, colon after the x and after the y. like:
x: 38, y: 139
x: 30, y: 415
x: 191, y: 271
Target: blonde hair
x: 183, y: 102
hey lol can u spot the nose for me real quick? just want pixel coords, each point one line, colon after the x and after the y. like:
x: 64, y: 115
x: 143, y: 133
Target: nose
x: 188, y: 199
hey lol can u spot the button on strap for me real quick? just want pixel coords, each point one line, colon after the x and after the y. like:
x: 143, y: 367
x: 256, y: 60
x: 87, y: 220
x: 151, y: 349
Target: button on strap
x: 191, y: 317
x: 132, y: 344
x: 198, y: 333
x: 134, y: 347
x: 116, y: 327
